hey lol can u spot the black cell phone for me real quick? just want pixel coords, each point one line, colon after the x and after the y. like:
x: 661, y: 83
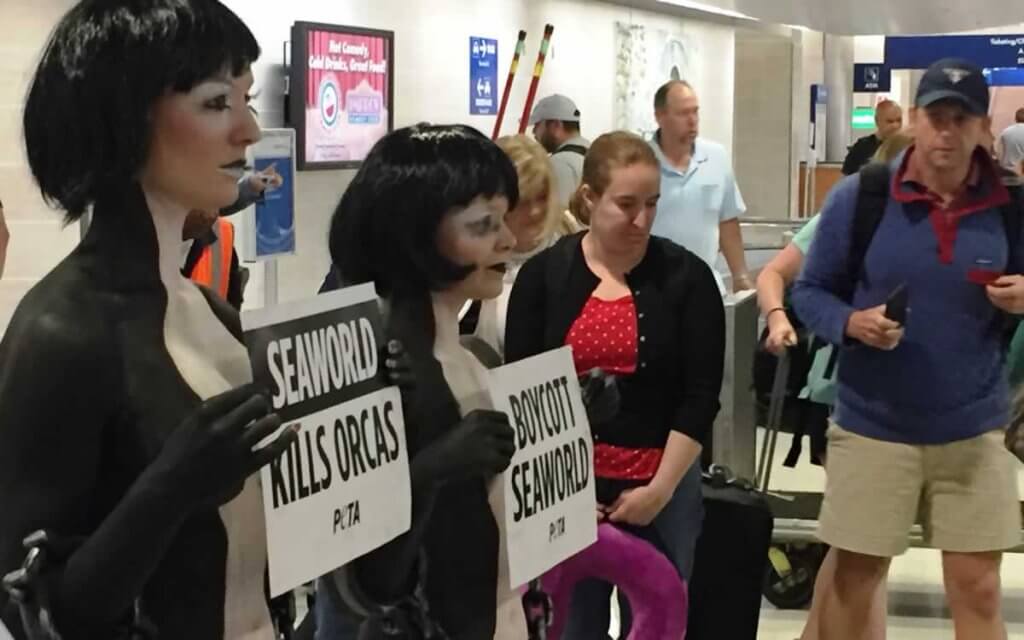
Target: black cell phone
x: 896, y: 305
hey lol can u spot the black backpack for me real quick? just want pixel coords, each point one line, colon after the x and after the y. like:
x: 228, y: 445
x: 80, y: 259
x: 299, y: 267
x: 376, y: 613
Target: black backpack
x: 872, y: 200
x: 572, y: 148
x: 873, y: 197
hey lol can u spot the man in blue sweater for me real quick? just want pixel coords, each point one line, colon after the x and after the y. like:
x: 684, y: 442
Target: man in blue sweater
x: 921, y: 408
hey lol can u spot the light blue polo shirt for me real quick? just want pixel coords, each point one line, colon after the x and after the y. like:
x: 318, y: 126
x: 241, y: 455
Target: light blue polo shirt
x: 694, y: 203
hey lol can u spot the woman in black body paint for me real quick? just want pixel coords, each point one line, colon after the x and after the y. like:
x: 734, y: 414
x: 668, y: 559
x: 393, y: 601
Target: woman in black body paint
x: 128, y: 420
x: 424, y: 221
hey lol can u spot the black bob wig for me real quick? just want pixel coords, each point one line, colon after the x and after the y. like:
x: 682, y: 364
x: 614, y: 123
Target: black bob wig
x: 384, y: 229
x: 87, y: 115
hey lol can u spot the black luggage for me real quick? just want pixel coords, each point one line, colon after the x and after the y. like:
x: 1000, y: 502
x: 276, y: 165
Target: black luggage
x: 730, y: 560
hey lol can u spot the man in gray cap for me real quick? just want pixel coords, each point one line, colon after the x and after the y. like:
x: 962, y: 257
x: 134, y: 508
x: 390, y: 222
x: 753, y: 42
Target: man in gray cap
x: 556, y: 126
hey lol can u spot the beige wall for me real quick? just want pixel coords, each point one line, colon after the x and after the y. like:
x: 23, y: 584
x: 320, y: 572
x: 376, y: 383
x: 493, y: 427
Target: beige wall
x: 762, y: 122
x: 808, y: 69
x: 38, y: 239
x: 431, y: 84
x: 431, y: 81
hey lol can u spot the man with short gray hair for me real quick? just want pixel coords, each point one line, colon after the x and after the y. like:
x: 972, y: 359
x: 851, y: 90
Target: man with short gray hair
x: 700, y: 202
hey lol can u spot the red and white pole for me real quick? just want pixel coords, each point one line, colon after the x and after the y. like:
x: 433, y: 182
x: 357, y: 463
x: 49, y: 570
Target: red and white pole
x: 520, y: 48
x: 537, y: 71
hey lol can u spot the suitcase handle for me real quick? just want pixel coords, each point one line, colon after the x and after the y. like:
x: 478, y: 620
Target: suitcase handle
x: 774, y: 422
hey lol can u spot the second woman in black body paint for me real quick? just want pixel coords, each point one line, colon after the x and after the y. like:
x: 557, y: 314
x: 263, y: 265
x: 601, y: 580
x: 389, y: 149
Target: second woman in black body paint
x: 424, y: 221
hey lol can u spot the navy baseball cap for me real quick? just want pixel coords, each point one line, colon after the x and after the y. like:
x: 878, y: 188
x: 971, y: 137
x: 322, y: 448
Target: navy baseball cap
x: 954, y: 79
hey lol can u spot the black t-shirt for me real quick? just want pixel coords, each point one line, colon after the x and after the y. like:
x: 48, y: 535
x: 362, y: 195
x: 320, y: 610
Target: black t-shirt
x: 860, y: 154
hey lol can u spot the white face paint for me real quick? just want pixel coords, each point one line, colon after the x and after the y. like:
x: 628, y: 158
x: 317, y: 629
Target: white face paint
x: 477, y: 236
x: 198, y: 143
x: 196, y: 137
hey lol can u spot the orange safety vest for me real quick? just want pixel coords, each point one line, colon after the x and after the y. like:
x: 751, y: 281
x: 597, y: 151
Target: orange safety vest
x: 213, y: 269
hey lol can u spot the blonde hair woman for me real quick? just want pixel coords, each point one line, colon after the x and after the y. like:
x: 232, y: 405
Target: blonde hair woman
x: 893, y: 146
x: 538, y: 218
x: 537, y: 221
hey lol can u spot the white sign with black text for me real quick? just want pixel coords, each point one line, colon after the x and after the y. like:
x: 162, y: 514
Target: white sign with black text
x: 550, y: 500
x: 342, y: 489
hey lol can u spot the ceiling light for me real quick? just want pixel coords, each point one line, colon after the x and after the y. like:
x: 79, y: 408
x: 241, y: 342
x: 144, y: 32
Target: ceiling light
x: 709, y: 8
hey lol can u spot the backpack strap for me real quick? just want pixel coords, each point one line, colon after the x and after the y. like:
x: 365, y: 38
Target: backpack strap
x: 572, y: 148
x: 872, y: 199
x: 1013, y: 213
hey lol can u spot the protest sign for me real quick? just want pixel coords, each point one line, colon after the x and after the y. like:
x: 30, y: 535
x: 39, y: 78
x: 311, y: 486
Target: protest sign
x: 550, y: 500
x: 342, y: 488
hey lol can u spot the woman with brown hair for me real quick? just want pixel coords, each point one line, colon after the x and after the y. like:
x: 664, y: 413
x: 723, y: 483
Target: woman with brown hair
x: 649, y: 312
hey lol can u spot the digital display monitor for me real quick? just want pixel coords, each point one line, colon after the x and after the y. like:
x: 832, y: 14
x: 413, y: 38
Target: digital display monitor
x: 342, y: 91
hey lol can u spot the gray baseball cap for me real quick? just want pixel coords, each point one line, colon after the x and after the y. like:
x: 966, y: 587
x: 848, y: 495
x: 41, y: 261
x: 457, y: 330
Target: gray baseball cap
x: 555, y: 107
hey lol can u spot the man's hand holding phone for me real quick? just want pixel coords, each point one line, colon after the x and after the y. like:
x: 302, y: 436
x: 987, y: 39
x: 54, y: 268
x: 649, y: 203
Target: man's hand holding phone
x: 871, y: 327
x: 1007, y: 293
x: 881, y: 327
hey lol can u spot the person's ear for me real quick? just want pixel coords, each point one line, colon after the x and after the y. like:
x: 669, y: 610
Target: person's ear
x: 589, y: 196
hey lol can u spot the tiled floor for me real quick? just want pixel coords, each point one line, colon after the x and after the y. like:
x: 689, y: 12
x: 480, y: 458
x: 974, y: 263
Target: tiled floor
x: 916, y: 605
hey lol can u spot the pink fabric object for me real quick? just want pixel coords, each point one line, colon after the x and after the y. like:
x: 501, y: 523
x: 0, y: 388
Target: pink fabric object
x: 656, y: 593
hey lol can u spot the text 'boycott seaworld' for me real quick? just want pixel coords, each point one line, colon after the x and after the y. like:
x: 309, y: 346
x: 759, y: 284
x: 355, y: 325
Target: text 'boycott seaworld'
x: 549, y: 487
x: 543, y: 413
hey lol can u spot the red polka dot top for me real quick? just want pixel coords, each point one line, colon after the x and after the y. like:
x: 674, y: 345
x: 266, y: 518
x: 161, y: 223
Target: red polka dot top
x: 604, y: 336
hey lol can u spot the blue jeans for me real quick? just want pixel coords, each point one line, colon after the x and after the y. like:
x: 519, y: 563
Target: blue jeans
x: 333, y: 621
x: 677, y: 526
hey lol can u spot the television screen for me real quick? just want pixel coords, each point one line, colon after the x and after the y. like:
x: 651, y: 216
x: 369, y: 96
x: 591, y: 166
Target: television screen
x: 342, y: 88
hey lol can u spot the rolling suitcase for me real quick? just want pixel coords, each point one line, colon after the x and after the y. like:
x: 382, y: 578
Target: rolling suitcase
x: 793, y: 568
x: 731, y: 557
x: 730, y: 560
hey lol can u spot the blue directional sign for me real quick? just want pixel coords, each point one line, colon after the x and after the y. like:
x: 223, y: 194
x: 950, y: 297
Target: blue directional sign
x: 483, y: 76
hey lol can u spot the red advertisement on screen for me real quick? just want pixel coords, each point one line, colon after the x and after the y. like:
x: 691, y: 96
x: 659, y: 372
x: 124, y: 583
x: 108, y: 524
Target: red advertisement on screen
x: 347, y: 95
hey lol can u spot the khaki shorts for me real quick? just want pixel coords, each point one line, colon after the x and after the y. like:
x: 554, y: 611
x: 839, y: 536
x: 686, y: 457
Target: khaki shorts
x: 964, y: 494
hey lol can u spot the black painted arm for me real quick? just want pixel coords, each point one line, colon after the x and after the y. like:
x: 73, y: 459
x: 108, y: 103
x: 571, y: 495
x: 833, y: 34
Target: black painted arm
x: 60, y: 389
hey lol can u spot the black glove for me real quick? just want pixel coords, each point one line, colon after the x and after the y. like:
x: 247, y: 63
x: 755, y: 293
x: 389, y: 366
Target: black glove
x: 207, y: 459
x: 601, y: 397
x: 397, y: 368
x: 481, y: 444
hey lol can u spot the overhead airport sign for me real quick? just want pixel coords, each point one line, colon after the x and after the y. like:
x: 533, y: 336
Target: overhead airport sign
x: 919, y: 52
x: 872, y: 78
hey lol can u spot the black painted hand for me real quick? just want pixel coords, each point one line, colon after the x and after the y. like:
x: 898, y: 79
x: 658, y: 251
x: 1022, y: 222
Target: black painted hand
x: 481, y: 444
x: 397, y: 368
x: 600, y: 396
x: 207, y: 460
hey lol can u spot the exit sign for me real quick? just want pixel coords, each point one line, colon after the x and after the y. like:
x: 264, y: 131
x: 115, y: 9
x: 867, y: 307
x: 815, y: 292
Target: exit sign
x: 863, y: 118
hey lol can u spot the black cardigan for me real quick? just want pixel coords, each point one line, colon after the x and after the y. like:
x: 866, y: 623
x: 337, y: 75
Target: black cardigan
x: 681, y: 329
